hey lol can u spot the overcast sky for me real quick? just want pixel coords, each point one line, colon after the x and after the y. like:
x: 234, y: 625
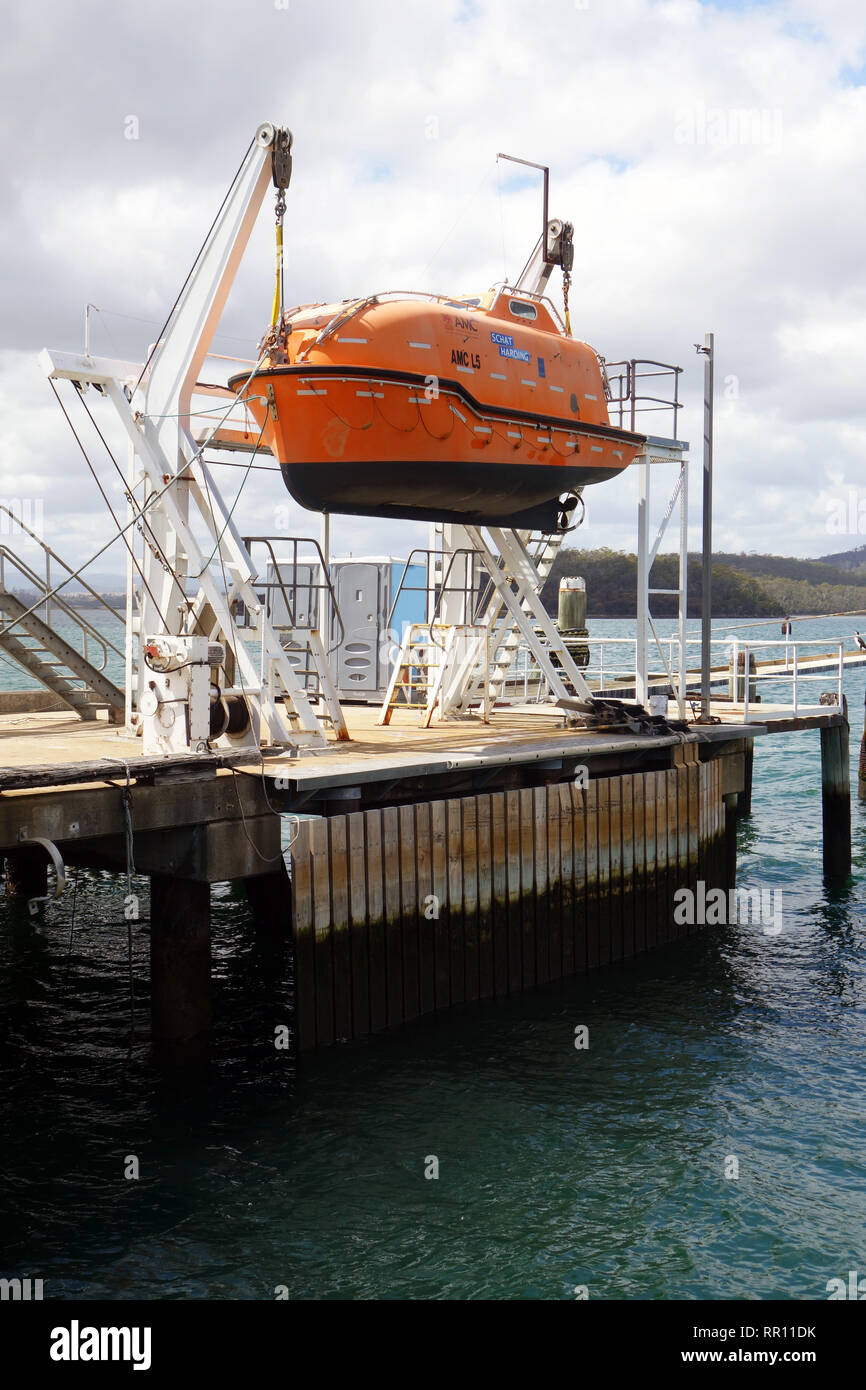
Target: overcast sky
x: 711, y: 157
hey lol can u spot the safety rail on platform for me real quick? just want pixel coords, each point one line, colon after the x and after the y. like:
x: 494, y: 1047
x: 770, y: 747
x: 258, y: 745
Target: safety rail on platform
x: 612, y: 661
x: 640, y: 385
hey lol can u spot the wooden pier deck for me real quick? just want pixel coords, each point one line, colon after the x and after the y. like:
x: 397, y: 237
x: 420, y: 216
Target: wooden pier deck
x: 544, y: 849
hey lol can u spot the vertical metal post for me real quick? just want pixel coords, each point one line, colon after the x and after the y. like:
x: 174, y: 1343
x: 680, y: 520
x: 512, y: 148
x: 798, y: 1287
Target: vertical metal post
x: 326, y: 617
x: 707, y: 525
x: 747, y: 688
x: 641, y: 690
x: 132, y: 638
x: 684, y: 584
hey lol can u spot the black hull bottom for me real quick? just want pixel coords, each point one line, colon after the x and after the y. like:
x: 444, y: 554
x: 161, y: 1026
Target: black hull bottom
x: 472, y: 494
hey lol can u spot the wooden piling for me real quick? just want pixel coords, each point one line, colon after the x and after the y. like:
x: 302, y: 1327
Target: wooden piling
x: 270, y: 900
x: 486, y: 961
x: 731, y: 819
x: 180, y: 957
x: 861, y: 778
x: 744, y: 798
x: 339, y: 860
x: 499, y: 894
x: 420, y: 908
x: 836, y: 801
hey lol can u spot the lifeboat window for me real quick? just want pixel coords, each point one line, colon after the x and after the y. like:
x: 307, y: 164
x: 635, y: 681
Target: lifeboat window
x: 521, y: 309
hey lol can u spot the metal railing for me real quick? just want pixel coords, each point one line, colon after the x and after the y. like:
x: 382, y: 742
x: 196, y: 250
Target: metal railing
x: 306, y: 618
x: 612, y: 664
x: 629, y: 393
x: 309, y: 604
x: 475, y: 588
x: 89, y: 636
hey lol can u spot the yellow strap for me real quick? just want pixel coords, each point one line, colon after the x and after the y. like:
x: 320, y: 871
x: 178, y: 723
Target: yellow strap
x: 278, y: 297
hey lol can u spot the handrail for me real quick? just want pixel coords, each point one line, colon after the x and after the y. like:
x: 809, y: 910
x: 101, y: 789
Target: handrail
x: 295, y: 542
x: 44, y: 586
x: 629, y: 380
x: 735, y: 668
x: 471, y: 590
x: 52, y: 555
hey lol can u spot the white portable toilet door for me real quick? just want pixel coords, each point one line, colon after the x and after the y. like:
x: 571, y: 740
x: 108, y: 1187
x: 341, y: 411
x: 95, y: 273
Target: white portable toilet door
x: 358, y: 590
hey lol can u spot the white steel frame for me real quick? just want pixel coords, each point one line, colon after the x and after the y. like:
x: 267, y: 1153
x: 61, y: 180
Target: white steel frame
x: 169, y: 472
x: 656, y: 452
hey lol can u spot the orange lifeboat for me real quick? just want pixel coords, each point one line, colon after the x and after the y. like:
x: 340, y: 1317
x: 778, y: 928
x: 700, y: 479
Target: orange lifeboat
x: 478, y: 411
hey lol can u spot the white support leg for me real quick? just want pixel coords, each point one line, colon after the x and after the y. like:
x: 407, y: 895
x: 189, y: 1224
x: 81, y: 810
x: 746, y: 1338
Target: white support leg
x: 527, y: 610
x: 641, y: 646
x: 684, y: 587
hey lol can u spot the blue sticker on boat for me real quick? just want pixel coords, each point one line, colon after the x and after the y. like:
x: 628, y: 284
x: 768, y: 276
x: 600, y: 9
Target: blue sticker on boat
x: 541, y: 371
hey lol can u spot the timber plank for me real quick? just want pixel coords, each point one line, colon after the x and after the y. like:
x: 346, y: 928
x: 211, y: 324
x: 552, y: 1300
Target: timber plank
x: 499, y: 864
x: 486, y: 961
x: 393, y: 925
x: 355, y: 827
x: 455, y: 901
x: 409, y: 913
x: 376, y: 923
x: 322, y: 933
x: 337, y: 853
x: 302, y: 933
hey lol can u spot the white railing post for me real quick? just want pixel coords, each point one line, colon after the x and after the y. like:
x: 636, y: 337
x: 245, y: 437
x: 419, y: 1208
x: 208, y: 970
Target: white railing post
x: 746, y: 652
x: 796, y: 679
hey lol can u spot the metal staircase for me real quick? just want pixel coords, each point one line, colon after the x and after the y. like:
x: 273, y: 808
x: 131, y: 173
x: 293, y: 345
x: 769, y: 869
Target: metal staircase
x: 460, y: 665
x: 35, y: 645
x: 506, y: 637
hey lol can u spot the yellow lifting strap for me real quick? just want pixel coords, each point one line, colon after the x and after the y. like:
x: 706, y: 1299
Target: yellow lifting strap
x: 280, y: 210
x: 277, y: 310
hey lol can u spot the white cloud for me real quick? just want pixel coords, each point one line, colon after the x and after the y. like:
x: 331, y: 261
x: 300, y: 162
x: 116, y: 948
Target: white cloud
x: 710, y: 157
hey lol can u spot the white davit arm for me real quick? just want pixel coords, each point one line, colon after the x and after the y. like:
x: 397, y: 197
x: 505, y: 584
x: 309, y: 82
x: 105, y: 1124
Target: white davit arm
x: 177, y: 361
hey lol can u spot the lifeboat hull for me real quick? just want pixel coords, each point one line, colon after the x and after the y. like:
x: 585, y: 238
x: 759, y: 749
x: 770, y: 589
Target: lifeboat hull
x: 495, y: 446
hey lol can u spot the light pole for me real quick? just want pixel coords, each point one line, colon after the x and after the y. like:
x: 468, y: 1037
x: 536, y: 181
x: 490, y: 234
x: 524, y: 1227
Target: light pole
x: 708, y: 351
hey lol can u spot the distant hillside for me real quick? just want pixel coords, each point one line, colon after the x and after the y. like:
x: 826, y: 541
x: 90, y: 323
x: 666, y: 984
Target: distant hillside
x: 744, y: 586
x: 822, y: 571
x: 847, y: 559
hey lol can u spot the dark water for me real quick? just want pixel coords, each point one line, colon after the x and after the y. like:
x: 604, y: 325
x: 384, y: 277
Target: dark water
x: 557, y: 1167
